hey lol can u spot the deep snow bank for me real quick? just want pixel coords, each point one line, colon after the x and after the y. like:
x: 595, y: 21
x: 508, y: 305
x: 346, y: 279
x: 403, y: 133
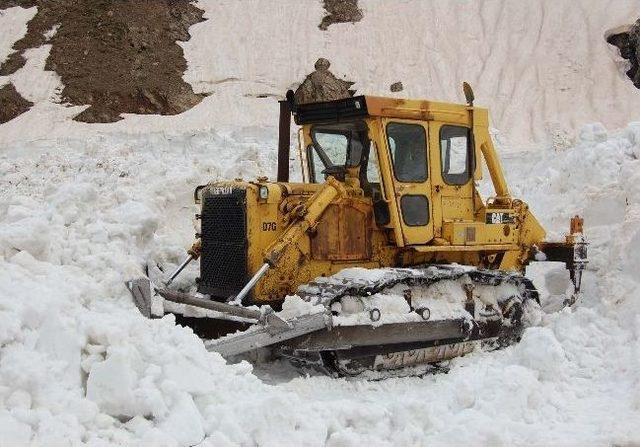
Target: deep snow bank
x: 78, y: 364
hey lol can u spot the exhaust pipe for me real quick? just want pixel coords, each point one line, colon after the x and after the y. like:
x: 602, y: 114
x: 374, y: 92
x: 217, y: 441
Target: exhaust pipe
x: 284, y: 141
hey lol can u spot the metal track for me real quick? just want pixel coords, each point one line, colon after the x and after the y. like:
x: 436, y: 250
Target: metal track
x: 332, y: 290
x: 354, y: 350
x: 324, y: 341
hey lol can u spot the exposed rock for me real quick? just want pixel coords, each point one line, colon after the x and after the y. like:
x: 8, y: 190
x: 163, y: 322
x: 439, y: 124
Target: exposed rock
x: 340, y: 11
x: 118, y: 56
x: 628, y: 42
x: 396, y: 87
x: 322, y: 85
x: 4, y: 4
x: 12, y: 103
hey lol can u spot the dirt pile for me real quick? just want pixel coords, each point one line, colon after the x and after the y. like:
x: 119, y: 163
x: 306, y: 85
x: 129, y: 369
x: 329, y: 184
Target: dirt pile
x: 11, y: 103
x: 340, y: 11
x: 118, y: 56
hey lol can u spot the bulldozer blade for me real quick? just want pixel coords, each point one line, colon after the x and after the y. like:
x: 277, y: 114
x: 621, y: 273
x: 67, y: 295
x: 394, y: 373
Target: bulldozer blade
x: 264, y: 336
x: 140, y: 289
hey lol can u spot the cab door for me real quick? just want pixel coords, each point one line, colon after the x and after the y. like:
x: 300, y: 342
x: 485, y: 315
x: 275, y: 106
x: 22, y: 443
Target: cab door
x: 453, y: 166
x: 408, y: 156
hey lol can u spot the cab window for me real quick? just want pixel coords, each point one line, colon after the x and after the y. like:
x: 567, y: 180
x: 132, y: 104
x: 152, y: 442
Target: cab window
x: 456, y: 152
x: 408, y: 147
x: 335, y: 147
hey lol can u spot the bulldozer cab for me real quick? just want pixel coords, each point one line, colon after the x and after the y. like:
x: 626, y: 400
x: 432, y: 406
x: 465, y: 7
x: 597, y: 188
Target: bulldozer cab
x: 417, y: 171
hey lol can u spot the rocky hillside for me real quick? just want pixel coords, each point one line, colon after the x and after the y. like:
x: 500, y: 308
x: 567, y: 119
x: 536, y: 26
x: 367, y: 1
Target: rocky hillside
x: 119, y: 56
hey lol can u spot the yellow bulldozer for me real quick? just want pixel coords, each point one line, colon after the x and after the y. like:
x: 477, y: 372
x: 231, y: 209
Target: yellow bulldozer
x: 388, y: 185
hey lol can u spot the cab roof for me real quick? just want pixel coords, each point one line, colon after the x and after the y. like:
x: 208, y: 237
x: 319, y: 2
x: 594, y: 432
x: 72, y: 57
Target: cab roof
x: 347, y: 109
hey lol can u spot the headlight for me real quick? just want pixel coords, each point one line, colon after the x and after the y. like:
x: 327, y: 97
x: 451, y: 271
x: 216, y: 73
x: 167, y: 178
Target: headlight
x: 264, y: 192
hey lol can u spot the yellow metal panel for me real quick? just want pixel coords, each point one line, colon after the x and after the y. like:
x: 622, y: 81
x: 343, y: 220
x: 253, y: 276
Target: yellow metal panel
x: 417, y: 109
x: 457, y: 207
x: 449, y: 201
x: 412, y: 235
x: 463, y: 248
x: 478, y: 233
x: 386, y: 175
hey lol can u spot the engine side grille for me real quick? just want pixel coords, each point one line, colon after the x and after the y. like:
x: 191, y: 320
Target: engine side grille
x: 223, y: 265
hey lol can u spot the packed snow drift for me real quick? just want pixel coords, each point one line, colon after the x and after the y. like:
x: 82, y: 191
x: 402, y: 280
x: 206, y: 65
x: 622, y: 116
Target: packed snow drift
x: 83, y: 208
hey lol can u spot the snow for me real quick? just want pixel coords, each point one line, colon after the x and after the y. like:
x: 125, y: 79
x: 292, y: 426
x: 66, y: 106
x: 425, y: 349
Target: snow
x: 83, y: 207
x: 13, y: 23
x: 294, y: 306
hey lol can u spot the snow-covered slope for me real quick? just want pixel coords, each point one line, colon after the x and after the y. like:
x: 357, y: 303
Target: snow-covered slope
x: 543, y: 67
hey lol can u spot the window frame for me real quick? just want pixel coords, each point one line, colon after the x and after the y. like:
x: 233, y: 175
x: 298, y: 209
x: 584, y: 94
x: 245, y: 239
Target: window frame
x: 311, y: 163
x: 426, y: 152
x: 451, y: 179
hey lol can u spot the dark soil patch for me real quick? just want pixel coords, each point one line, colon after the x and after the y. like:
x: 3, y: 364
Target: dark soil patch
x: 340, y: 11
x: 11, y: 103
x: 118, y: 56
x: 4, y: 4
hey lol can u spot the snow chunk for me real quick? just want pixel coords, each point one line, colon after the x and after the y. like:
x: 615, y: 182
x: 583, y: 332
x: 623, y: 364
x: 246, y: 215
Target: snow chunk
x: 13, y: 432
x: 294, y: 306
x: 540, y: 351
x: 111, y: 383
x: 593, y: 133
x: 184, y: 423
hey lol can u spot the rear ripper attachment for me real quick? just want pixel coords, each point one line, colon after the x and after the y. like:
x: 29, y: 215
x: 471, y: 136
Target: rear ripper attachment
x: 573, y: 252
x: 387, y: 253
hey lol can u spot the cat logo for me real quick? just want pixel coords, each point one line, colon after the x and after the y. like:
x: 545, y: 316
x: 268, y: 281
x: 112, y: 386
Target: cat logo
x: 500, y: 218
